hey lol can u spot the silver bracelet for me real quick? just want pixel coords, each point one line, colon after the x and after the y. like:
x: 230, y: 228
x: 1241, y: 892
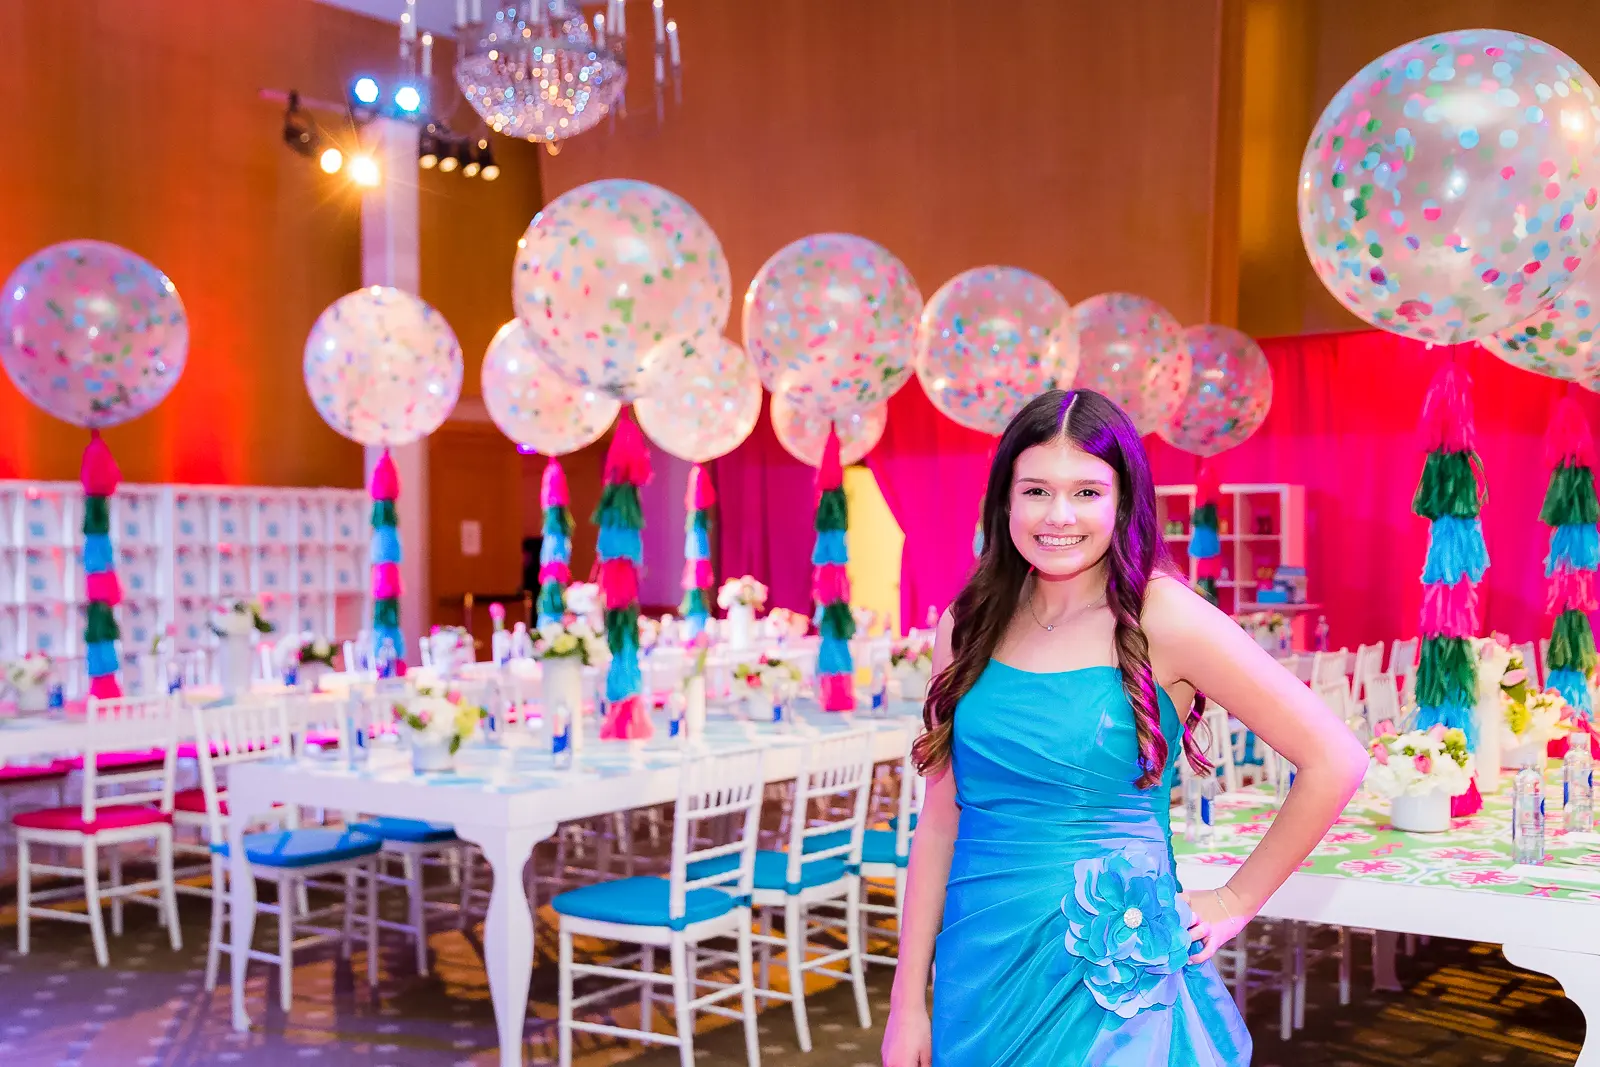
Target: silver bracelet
x: 1223, y: 904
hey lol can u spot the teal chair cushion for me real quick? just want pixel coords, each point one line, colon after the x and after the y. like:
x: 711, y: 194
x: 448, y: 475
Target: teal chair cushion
x: 772, y: 868
x: 641, y: 902
x: 414, y: 831
x: 305, y: 848
x: 877, y: 846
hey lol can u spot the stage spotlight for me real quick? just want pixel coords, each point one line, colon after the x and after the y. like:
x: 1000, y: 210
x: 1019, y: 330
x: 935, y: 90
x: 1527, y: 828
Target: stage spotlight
x: 299, y: 131
x: 364, y: 171
x: 483, y: 156
x: 365, y: 90
x: 451, y: 156
x: 428, y: 147
x: 408, y: 99
x: 471, y: 166
x: 331, y: 160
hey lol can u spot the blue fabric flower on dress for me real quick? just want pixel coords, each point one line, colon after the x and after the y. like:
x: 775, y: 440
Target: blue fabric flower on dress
x: 1127, y: 923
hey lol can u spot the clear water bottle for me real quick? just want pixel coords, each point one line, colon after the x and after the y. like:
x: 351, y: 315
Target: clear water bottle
x: 678, y: 709
x: 1577, y: 786
x: 1197, y: 793
x: 57, y: 699
x: 386, y: 659
x: 1323, y: 632
x: 880, y: 690
x: 1527, y: 815
x: 355, y: 753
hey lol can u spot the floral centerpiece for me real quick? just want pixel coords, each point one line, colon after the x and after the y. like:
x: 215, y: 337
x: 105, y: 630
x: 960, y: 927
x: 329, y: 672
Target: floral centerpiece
x: 649, y: 633
x: 767, y: 682
x: 563, y: 649
x: 741, y: 598
x: 583, y: 600
x: 237, y: 623
x: 1419, y: 772
x: 783, y: 624
x: 438, y: 723
x: 1270, y: 629
x: 911, y: 662
x: 303, y: 657
x: 27, y: 677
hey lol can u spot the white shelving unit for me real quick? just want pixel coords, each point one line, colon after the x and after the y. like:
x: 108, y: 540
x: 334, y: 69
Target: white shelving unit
x: 1262, y: 526
x: 179, y: 550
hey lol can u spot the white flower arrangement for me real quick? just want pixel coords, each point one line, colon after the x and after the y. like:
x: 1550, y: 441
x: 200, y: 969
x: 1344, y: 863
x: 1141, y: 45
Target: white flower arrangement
x: 28, y: 673
x: 781, y: 622
x: 1538, y: 718
x: 583, y: 600
x: 239, y: 618
x: 767, y: 673
x: 745, y: 591
x: 436, y: 718
x: 866, y: 620
x: 572, y: 638
x: 915, y: 653
x: 1419, y: 762
x: 303, y: 649
x: 649, y: 633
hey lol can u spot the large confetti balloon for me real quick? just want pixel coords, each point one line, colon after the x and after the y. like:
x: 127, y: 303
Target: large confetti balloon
x: 703, y: 397
x: 829, y: 321
x: 1230, y: 391
x: 535, y: 406
x: 1559, y: 338
x: 382, y: 367
x: 1450, y: 187
x: 1128, y: 349
x: 92, y: 333
x: 803, y: 434
x: 990, y: 340
x: 608, y: 271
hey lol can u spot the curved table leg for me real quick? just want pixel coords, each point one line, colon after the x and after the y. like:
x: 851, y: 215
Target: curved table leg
x: 1579, y: 975
x: 508, y: 928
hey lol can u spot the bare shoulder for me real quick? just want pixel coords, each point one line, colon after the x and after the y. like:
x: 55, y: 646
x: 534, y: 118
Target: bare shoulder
x: 1173, y: 612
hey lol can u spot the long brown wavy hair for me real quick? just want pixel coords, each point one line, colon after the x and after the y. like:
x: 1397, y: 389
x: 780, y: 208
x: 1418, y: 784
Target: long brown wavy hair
x: 988, y: 602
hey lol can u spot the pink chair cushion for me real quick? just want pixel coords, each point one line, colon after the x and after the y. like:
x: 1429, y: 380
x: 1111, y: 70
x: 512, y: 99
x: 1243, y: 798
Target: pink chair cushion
x: 115, y: 818
x: 194, y: 801
x: 188, y: 750
x: 322, y: 739
x: 54, y: 769
x: 117, y: 761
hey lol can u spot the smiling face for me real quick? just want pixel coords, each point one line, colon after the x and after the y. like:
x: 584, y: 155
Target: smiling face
x: 1063, y: 508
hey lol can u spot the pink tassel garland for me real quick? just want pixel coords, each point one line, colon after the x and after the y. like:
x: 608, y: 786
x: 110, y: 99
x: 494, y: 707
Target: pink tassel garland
x: 697, y: 574
x: 837, y: 692
x: 385, y: 479
x: 1568, y: 588
x: 626, y: 720
x: 627, y: 460
x: 1450, y: 610
x: 557, y: 570
x: 1447, y: 412
x: 1567, y: 441
x: 830, y: 584
x: 385, y: 581
x: 702, y: 494
x: 619, y: 583
x: 103, y: 587
x: 99, y: 473
x: 553, y: 486
x: 105, y: 687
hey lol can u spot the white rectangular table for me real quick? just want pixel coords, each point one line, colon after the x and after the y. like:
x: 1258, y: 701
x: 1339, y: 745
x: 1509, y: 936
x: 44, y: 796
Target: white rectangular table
x: 505, y: 811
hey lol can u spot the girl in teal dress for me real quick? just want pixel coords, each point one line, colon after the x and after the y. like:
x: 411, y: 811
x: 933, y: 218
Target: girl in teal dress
x: 1041, y: 892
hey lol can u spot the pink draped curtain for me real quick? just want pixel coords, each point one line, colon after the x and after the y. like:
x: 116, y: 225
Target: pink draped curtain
x: 1342, y: 424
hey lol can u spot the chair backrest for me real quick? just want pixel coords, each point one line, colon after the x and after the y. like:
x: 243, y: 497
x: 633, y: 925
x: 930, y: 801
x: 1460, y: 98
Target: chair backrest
x: 913, y: 788
x: 252, y: 729
x: 1369, y: 661
x: 1219, y: 746
x: 837, y: 767
x: 1329, y: 667
x: 711, y: 787
x: 1335, y: 694
x: 1382, y: 700
x: 129, y: 724
x: 1297, y: 665
x: 1403, y: 657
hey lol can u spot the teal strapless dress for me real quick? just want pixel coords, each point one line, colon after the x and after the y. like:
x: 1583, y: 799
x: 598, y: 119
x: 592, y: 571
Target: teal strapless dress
x: 1064, y: 941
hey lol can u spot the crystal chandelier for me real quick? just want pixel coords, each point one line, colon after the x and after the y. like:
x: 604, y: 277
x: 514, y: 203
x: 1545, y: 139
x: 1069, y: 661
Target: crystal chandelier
x: 540, y: 70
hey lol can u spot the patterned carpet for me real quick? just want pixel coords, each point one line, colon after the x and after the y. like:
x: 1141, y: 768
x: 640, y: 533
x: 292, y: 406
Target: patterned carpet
x: 1463, y: 1005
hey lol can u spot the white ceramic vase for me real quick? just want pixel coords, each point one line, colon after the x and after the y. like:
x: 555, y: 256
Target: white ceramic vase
x: 741, y: 627
x: 563, y: 684
x: 1428, y: 813
x: 1516, y: 757
x: 233, y: 662
x: 913, y: 682
x: 34, y: 699
x: 430, y: 755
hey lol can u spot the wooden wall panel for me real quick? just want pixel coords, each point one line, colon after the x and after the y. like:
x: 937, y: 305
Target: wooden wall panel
x: 158, y: 140
x: 469, y: 466
x: 1072, y: 139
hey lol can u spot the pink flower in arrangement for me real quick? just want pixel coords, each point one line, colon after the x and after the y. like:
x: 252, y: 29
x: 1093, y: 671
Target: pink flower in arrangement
x: 1436, y: 731
x: 1503, y: 640
x: 1385, y: 728
x: 1380, y: 752
x: 1514, y: 678
x: 1424, y: 763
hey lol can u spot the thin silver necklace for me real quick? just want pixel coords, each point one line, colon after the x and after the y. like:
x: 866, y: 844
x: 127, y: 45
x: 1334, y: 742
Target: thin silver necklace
x: 1050, y: 627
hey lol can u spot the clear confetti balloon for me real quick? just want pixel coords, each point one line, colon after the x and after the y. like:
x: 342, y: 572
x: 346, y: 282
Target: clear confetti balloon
x: 92, y: 333
x: 830, y: 320
x: 803, y: 434
x: 382, y: 367
x: 703, y: 398
x: 989, y: 341
x: 608, y: 271
x: 535, y: 406
x: 1128, y: 349
x: 1450, y: 187
x: 1559, y: 339
x: 1230, y: 391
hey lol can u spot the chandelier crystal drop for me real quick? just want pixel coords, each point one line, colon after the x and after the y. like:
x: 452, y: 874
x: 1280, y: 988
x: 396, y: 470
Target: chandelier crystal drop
x: 542, y: 71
